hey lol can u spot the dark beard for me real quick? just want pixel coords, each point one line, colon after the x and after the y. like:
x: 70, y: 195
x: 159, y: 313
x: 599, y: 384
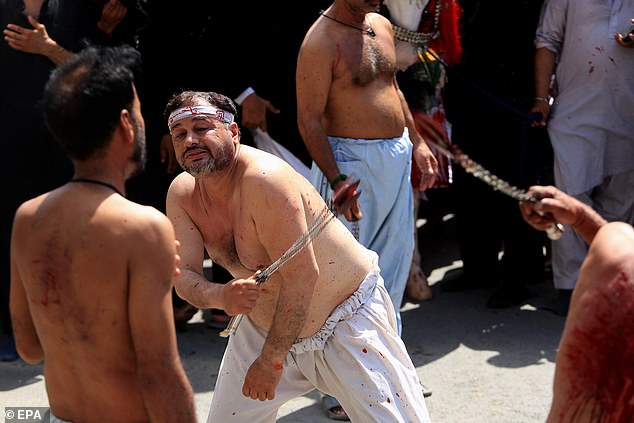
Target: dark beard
x: 139, y: 155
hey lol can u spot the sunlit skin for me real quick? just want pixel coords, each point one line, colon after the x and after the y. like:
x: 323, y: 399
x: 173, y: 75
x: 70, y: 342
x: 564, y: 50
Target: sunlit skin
x: 88, y: 267
x: 346, y: 87
x: 246, y: 207
x: 594, y: 376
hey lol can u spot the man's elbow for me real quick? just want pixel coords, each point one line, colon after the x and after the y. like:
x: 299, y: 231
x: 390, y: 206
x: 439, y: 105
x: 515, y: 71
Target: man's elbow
x: 179, y: 287
x: 313, y: 273
x: 31, y: 354
x: 186, y: 291
x: 27, y: 343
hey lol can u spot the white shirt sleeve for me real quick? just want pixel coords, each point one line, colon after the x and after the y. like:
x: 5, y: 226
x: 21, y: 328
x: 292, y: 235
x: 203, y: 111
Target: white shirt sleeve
x: 239, y: 99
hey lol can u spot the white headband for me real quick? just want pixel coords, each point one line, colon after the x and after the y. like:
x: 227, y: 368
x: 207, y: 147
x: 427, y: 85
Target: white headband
x: 189, y: 111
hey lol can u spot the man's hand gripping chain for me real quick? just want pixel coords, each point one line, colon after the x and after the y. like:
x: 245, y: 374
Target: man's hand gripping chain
x: 435, y: 136
x: 342, y: 200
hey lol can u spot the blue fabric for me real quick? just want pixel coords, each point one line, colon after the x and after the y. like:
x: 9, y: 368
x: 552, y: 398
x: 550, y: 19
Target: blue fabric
x: 387, y: 226
x: 54, y: 419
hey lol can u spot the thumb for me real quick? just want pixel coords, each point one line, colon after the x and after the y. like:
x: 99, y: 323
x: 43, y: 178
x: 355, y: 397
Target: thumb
x: 34, y: 22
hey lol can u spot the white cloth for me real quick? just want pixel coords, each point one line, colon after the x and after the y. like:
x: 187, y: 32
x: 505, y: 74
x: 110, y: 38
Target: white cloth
x: 569, y: 252
x: 263, y: 141
x: 406, y: 13
x: 592, y: 122
x: 357, y: 356
x: 243, y: 96
x: 591, y: 127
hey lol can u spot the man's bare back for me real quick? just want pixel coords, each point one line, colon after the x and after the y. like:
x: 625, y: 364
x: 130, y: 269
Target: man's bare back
x: 595, y: 373
x: 362, y: 99
x: 84, y: 257
x: 91, y: 272
x: 255, y: 235
x: 594, y: 377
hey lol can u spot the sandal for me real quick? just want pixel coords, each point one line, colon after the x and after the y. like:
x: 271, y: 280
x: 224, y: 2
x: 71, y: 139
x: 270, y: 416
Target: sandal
x: 333, y: 408
x: 417, y: 288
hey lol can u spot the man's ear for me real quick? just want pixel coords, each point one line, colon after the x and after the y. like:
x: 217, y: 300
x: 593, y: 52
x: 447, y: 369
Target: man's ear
x: 126, y: 124
x: 235, y: 132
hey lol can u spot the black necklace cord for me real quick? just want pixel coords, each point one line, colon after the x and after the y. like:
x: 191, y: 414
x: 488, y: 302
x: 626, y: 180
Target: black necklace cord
x: 96, y: 182
x: 368, y: 31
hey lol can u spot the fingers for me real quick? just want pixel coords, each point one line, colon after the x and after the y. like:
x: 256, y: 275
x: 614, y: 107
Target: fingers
x: 241, y: 296
x: 25, y: 39
x: 428, y: 173
x: 271, y: 108
x: 544, y: 212
x: 355, y: 211
x: 34, y: 22
x: 346, y: 200
x: 534, y: 217
x: 114, y: 10
x: 14, y: 33
x: 254, y: 112
x: 539, y: 114
x: 252, y: 121
x: 177, y: 258
x: 427, y: 181
x: 112, y: 14
x: 540, y: 192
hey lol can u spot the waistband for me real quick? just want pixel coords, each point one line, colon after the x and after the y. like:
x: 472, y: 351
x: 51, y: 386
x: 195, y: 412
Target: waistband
x: 357, y: 141
x: 343, y: 311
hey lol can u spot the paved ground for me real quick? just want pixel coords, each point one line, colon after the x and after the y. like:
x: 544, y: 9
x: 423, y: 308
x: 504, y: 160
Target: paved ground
x: 484, y: 366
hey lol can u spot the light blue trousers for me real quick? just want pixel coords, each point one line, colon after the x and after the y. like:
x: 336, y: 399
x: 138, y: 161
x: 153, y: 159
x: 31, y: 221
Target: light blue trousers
x: 387, y: 227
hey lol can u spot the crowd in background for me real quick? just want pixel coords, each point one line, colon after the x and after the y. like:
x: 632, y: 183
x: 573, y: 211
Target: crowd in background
x: 482, y: 69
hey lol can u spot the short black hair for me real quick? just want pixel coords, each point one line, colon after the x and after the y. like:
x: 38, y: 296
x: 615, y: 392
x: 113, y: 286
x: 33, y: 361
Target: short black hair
x: 83, y: 98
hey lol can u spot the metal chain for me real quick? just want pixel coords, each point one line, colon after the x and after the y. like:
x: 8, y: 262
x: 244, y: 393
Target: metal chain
x: 306, y: 238
x: 476, y: 169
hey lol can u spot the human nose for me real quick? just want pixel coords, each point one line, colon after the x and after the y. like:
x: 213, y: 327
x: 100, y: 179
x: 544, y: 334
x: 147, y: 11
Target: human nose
x: 190, y: 139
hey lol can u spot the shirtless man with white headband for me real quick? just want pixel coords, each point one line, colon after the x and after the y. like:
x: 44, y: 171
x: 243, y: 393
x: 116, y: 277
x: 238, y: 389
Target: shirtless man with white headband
x: 324, y: 320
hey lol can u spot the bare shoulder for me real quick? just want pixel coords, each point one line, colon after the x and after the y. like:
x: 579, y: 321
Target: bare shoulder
x: 268, y: 173
x: 318, y: 41
x: 146, y: 220
x: 182, y: 184
x: 29, y: 208
x: 180, y: 189
x: 614, y: 242
x: 378, y: 19
x: 24, y: 219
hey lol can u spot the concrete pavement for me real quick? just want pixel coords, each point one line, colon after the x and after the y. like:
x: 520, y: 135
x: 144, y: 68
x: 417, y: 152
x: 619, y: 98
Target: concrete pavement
x: 484, y: 366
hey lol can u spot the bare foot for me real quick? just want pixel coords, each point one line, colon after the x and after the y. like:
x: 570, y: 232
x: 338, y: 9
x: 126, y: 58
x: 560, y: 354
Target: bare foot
x: 418, y: 288
x: 183, y: 313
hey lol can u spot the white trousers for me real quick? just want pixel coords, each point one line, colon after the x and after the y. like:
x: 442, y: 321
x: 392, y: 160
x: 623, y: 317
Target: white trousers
x: 614, y: 201
x: 357, y: 357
